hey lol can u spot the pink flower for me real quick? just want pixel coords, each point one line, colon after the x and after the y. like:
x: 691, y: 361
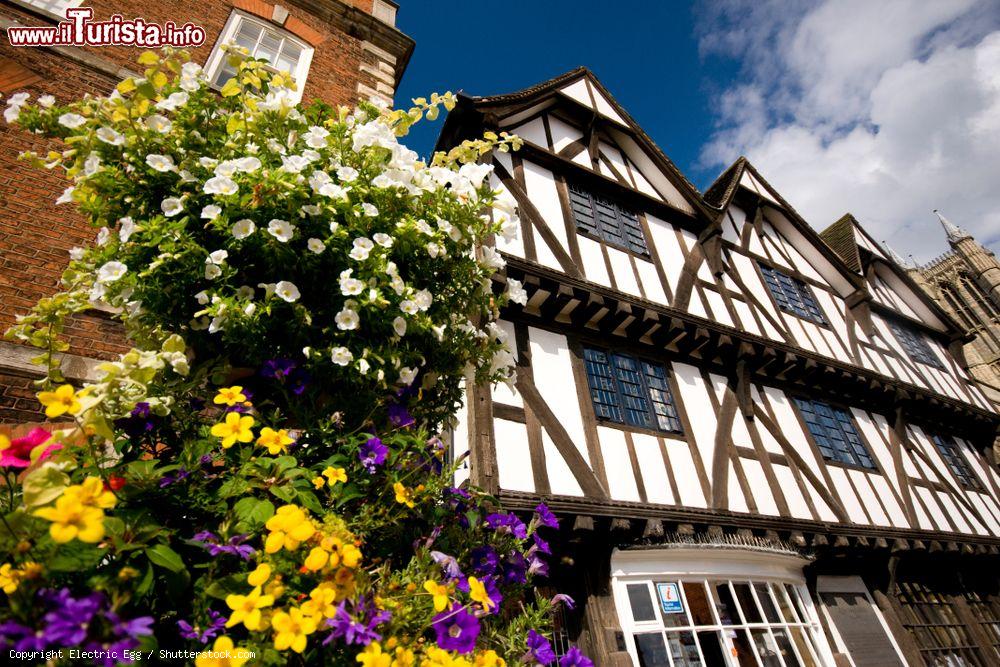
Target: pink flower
x: 18, y: 454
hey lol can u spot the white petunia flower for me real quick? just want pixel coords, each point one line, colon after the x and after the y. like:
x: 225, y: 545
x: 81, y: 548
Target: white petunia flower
x: 294, y: 164
x: 76, y: 253
x: 247, y: 164
x: 383, y: 240
x: 103, y: 234
x: 341, y: 356
x: 158, y: 123
x: 316, y: 136
x: 72, y: 120
x: 315, y: 245
x: 369, y: 209
x: 173, y: 101
x: 245, y: 292
x: 243, y: 228
x: 475, y: 172
x: 249, y: 309
x: 347, y: 319
x: 210, y: 212
x: 202, y: 297
x: 161, y: 162
x: 281, y: 230
x: 126, y: 228
x: 67, y: 196
x: 171, y: 206
x: 347, y: 174
x: 268, y: 289
x: 221, y: 185
x: 407, y: 375
x: 425, y: 228
x: 333, y: 191
x: 423, y: 299
x: 92, y: 164
x: 46, y: 101
x: 217, y: 257
x: 363, y: 366
x: 492, y: 259
x: 350, y: 286
x: 110, y: 136
x: 399, y: 325
x: 287, y: 291
x: 212, y: 271
x: 516, y: 292
x: 434, y: 250
x: 509, y: 227
x: 111, y: 271
x: 311, y: 209
x: 408, y: 307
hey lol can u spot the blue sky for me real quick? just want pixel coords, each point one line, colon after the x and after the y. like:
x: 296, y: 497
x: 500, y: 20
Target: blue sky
x: 885, y: 109
x: 646, y: 53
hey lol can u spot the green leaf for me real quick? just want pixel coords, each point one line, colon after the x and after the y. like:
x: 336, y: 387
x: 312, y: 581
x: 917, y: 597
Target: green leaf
x: 309, y: 500
x: 146, y: 583
x: 75, y: 557
x: 234, y: 584
x: 234, y: 487
x: 253, y: 513
x: 165, y: 557
x: 283, y: 463
x: 283, y: 493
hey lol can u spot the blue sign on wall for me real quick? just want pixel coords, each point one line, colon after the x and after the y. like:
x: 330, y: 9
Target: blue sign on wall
x: 670, y: 598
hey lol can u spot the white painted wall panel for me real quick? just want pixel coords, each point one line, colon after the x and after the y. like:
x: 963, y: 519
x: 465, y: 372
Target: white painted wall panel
x: 684, y: 472
x: 513, y: 457
x: 847, y: 496
x: 896, y: 514
x: 758, y: 484
x: 541, y: 188
x: 747, y: 321
x: 621, y: 478
x: 552, y: 369
x: 624, y: 275
x: 578, y: 91
x: 667, y: 248
x: 654, y: 473
x: 563, y: 134
x: 694, y: 397
x: 936, y: 520
x: 593, y: 261
x: 561, y: 479
x: 737, y: 503
x: 533, y: 131
x: 651, y: 281
x: 867, y: 496
x: 718, y: 306
x: 793, y: 495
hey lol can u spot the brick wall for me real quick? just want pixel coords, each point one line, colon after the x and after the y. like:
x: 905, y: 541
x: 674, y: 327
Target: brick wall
x: 36, y: 235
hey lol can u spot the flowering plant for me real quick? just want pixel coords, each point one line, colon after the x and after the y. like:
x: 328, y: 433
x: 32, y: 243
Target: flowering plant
x: 263, y: 472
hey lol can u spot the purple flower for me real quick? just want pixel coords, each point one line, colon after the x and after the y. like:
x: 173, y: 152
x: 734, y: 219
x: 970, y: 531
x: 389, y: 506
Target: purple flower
x: 515, y: 568
x: 539, y: 649
x: 538, y: 566
x: 545, y: 516
x: 205, y: 536
x: 448, y: 565
x: 278, y: 369
x: 399, y: 416
x: 134, y: 628
x: 216, y: 624
x: 139, y: 422
x: 456, y: 630
x: 562, y: 598
x: 541, y: 545
x: 357, y: 626
x: 173, y: 478
x: 507, y: 523
x: 69, y: 620
x: 21, y: 637
x: 373, y: 454
x: 574, y: 658
x: 234, y: 547
x: 484, y: 560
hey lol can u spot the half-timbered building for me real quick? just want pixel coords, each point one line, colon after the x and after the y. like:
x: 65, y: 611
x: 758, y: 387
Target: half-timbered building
x: 766, y: 451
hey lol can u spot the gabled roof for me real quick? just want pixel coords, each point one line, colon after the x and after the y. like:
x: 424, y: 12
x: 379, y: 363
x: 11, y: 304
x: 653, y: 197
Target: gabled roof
x: 720, y: 195
x: 840, y: 237
x: 457, y: 124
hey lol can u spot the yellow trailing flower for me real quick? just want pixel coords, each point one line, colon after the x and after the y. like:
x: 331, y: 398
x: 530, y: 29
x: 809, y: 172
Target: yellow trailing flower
x: 236, y: 427
x: 404, y: 496
x: 477, y: 591
x: 322, y: 601
x: 223, y: 654
x: 72, y: 519
x: 91, y: 493
x: 318, y: 482
x: 334, y: 475
x: 246, y: 608
x: 290, y: 526
x: 489, y: 659
x: 291, y: 629
x: 261, y: 574
x: 436, y: 657
x: 63, y: 400
x: 317, y: 559
x: 344, y: 583
x: 440, y: 594
x: 5, y: 443
x: 373, y: 656
x: 276, y: 441
x: 230, y: 396
x: 10, y: 578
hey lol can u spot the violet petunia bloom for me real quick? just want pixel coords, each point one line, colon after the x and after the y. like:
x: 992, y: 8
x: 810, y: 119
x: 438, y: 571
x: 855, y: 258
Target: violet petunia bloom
x: 515, y: 568
x: 539, y: 650
x: 448, y: 565
x: 22, y: 638
x: 456, y: 630
x: 141, y: 421
x: 484, y: 560
x: 373, y: 454
x: 174, y: 477
x: 575, y: 658
x: 215, y: 626
x: 507, y: 523
x: 278, y: 369
x: 399, y: 416
x: 541, y: 545
x: 205, y: 536
x: 234, y: 547
x: 358, y: 625
x: 562, y: 598
x: 545, y: 516
x: 69, y: 620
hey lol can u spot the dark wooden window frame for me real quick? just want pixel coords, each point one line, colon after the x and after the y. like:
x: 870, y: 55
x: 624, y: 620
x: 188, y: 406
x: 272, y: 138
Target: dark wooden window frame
x: 913, y: 342
x: 612, y: 389
x: 803, y: 292
x: 959, y: 467
x: 608, y: 221
x: 856, y: 462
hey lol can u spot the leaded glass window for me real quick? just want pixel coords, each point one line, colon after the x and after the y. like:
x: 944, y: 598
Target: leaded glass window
x: 834, y: 432
x: 632, y: 391
x: 792, y: 295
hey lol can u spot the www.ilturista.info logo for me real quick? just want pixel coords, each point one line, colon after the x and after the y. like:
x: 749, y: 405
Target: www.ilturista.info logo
x: 79, y: 30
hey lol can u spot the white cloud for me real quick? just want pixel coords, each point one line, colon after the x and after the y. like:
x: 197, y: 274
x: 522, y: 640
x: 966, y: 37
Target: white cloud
x: 886, y: 109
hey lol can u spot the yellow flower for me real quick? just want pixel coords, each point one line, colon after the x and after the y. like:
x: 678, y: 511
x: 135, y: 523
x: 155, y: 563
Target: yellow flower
x: 335, y: 475
x: 489, y: 659
x: 318, y: 482
x: 91, y: 494
x: 291, y: 629
x: 235, y: 427
x: 261, y: 574
x: 57, y: 403
x: 224, y: 655
x: 289, y: 528
x: 5, y: 443
x: 246, y: 608
x: 439, y: 593
x: 350, y: 555
x: 322, y: 601
x: 477, y: 591
x: 276, y: 441
x: 403, y: 658
x: 372, y: 656
x: 71, y: 519
x: 9, y: 578
x: 230, y: 396
x: 317, y: 559
x: 344, y: 583
x: 404, y: 496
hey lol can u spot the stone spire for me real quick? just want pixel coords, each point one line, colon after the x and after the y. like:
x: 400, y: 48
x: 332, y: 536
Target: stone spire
x: 954, y: 232
x: 894, y: 256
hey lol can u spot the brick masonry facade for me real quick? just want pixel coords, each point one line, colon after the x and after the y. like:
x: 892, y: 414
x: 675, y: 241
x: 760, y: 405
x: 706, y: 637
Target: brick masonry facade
x: 355, y: 56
